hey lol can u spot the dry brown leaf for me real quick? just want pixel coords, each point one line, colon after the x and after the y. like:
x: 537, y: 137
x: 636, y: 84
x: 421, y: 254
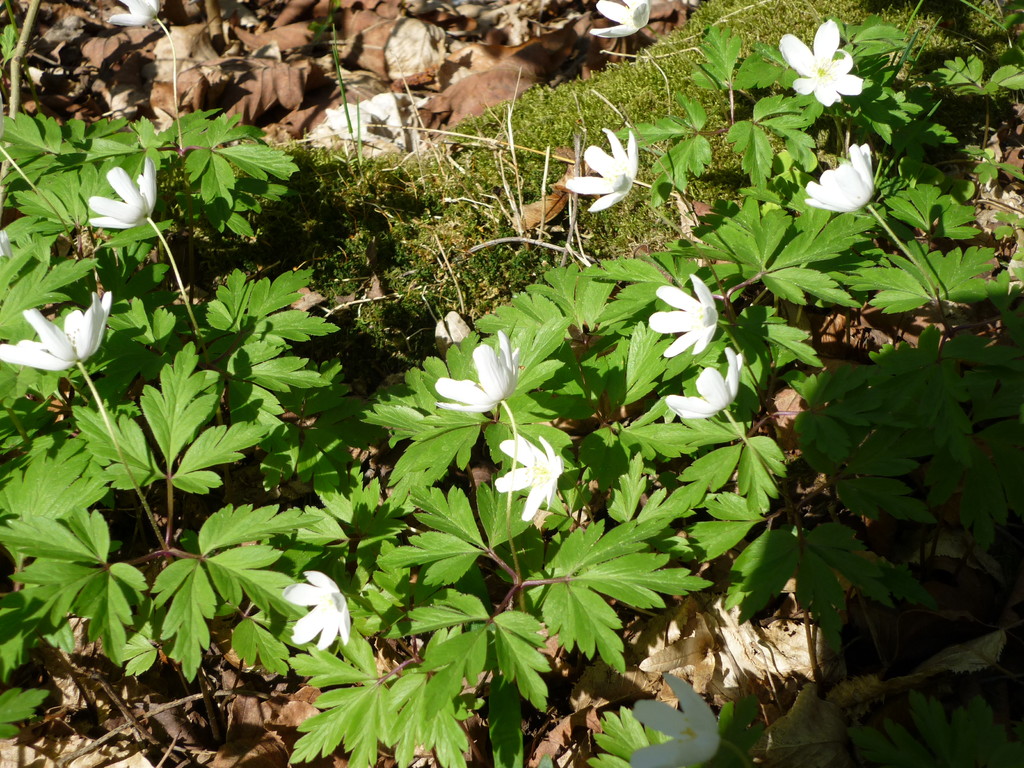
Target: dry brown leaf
x: 46, y: 753
x: 413, y: 47
x: 266, y: 750
x: 812, y: 734
x: 543, y: 211
x: 286, y: 37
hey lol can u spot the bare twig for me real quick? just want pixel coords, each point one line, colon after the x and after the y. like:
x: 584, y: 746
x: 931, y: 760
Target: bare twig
x: 523, y: 240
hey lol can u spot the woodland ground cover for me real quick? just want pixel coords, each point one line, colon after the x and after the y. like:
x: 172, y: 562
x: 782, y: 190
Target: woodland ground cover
x: 768, y: 469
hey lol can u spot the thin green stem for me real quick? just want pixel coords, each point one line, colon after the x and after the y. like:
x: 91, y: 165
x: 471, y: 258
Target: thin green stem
x: 120, y: 453
x: 174, y: 82
x: 17, y: 423
x: 508, y: 504
x: 906, y: 251
x: 181, y: 283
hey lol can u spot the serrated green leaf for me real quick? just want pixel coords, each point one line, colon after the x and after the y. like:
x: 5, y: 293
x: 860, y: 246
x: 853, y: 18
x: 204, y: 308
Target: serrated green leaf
x: 185, y: 584
x: 255, y: 645
x: 517, y: 636
x: 214, y: 446
x: 231, y: 525
x: 16, y: 705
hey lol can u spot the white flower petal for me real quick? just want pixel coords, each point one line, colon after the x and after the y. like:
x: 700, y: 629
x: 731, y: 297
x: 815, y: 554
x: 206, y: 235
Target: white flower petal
x: 617, y: 12
x: 671, y: 754
x: 826, y: 41
x: 122, y: 184
x: 619, y: 31
x: 690, y: 407
x: 467, y: 393
x: 53, y: 338
x: 34, y: 355
x: 671, y: 322
x: 678, y: 298
x: 711, y: 386
x: 308, y: 627
x: 516, y: 480
x: 607, y: 201
x: 659, y: 716
x: 589, y: 185
x: 5, y: 239
x: 797, y: 55
x: 303, y: 594
x: 805, y: 85
x: 696, y: 712
x: 600, y: 161
x: 535, y: 498
x: 849, y: 85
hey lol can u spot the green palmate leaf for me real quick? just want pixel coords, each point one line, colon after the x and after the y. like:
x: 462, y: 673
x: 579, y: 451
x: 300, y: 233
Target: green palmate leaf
x: 832, y: 548
x: 254, y: 644
x: 356, y: 717
x: 971, y: 737
x: 870, y: 496
x: 446, y: 438
x: 144, y: 465
x: 714, y: 469
x: 751, y: 143
x: 450, y: 609
x: 733, y: 520
x: 259, y: 160
x: 517, y: 638
x: 505, y: 724
x: 215, y: 446
x: 235, y: 525
x: 106, y: 599
x: 53, y: 482
x: 721, y: 50
x: 644, y: 363
x: 792, y: 283
x: 762, y: 569
x: 584, y: 620
x: 422, y: 722
x: 71, y: 569
x: 177, y: 411
x: 688, y: 159
x: 761, y: 462
x: 936, y: 214
x: 631, y: 487
x: 239, y: 574
x: 16, y: 705
x: 451, y: 514
x: 788, y: 120
x: 456, y: 659
x: 447, y: 557
x: 897, y: 289
x: 186, y: 585
x: 622, y: 736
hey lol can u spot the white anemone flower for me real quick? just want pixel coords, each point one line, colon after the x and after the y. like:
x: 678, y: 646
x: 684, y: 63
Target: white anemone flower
x: 140, y: 13
x: 716, y: 392
x: 499, y: 375
x: 847, y: 188
x: 61, y: 349
x: 630, y: 17
x: 696, y: 318
x: 329, y: 617
x: 5, y: 245
x: 694, y: 730
x: 539, y: 472
x: 617, y: 170
x: 821, y: 73
x: 139, y: 199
